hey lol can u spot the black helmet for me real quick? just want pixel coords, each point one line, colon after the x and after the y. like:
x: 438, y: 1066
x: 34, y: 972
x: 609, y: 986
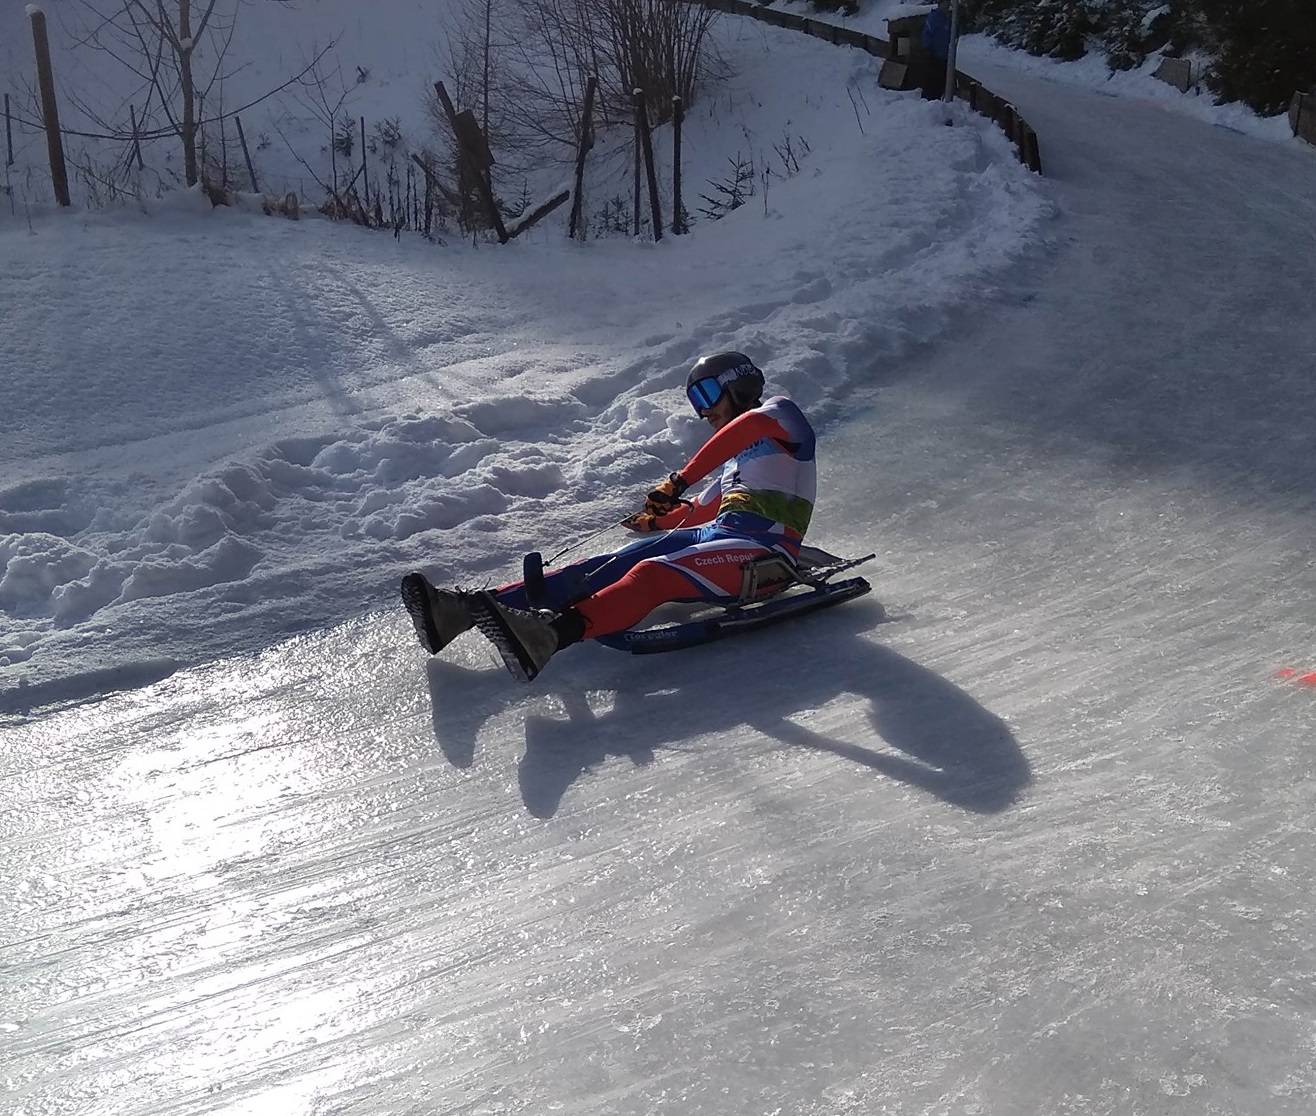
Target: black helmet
x: 732, y: 373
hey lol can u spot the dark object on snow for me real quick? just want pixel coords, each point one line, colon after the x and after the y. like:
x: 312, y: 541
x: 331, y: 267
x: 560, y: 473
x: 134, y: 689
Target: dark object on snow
x: 936, y: 32
x: 1302, y: 116
x: 1177, y: 72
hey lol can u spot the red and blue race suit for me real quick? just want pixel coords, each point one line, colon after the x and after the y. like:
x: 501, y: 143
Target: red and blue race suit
x: 759, y: 502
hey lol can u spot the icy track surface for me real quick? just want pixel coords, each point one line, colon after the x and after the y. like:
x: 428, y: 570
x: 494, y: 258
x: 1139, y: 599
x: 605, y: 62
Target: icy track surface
x: 1042, y: 844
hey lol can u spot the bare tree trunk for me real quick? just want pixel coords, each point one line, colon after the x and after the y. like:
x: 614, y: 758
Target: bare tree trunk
x: 586, y: 142
x: 488, y: 18
x: 650, y: 170
x: 484, y: 122
x: 188, y: 89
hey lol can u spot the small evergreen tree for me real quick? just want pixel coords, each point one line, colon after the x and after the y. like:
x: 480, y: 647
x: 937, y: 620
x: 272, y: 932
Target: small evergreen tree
x: 345, y: 137
x: 732, y: 192
x: 1123, y: 36
x: 1056, y: 28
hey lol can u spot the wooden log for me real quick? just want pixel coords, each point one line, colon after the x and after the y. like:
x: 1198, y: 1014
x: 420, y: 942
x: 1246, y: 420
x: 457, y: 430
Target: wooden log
x: 538, y: 213
x: 473, y: 140
x: 475, y: 161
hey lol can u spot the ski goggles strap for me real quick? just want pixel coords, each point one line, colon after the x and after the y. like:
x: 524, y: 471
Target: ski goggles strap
x: 704, y: 393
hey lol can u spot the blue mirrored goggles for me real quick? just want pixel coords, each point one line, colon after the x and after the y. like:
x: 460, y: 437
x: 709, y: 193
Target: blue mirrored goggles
x: 704, y: 393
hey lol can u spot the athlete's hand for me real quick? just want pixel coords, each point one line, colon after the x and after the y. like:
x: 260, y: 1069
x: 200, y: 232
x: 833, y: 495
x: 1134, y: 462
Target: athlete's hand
x: 666, y: 496
x: 642, y: 522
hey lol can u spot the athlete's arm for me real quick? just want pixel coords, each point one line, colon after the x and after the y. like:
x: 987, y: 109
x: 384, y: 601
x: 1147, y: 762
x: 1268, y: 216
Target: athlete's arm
x: 702, y: 509
x: 739, y: 434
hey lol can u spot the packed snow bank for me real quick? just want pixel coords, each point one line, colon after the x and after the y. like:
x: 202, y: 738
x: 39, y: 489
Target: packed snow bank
x: 228, y: 427
x: 1091, y: 72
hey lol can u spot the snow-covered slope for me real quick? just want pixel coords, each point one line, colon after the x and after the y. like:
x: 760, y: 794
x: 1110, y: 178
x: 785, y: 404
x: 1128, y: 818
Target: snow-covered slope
x: 229, y: 427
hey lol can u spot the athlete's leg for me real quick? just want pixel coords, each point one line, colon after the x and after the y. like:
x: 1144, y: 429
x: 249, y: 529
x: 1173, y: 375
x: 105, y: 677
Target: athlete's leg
x: 568, y: 584
x: 711, y: 569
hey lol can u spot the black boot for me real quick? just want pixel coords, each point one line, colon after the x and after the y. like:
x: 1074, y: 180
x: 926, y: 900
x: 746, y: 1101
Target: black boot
x: 525, y: 640
x: 570, y: 628
x: 439, y: 615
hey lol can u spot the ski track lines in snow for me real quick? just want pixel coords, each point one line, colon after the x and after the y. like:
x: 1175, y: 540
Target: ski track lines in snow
x: 308, y: 369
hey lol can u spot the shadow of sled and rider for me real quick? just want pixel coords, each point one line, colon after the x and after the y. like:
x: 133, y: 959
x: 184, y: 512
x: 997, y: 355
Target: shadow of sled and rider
x: 942, y: 741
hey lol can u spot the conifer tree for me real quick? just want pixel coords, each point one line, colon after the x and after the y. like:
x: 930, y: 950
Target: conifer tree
x: 1266, y: 51
x: 1123, y: 35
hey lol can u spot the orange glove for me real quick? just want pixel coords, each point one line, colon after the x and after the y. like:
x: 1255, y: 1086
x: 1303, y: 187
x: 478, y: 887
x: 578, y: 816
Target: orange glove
x: 666, y: 496
x: 642, y: 522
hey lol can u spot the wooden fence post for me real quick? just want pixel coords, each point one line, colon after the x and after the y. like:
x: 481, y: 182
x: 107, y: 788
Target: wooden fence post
x: 59, y: 174
x: 538, y: 213
x: 636, y: 98
x: 476, y: 160
x: 678, y: 210
x: 583, y: 149
x: 246, y: 154
x: 646, y: 137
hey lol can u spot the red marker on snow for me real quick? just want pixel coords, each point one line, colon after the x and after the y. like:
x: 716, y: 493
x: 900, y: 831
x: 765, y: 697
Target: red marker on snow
x: 1289, y: 674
